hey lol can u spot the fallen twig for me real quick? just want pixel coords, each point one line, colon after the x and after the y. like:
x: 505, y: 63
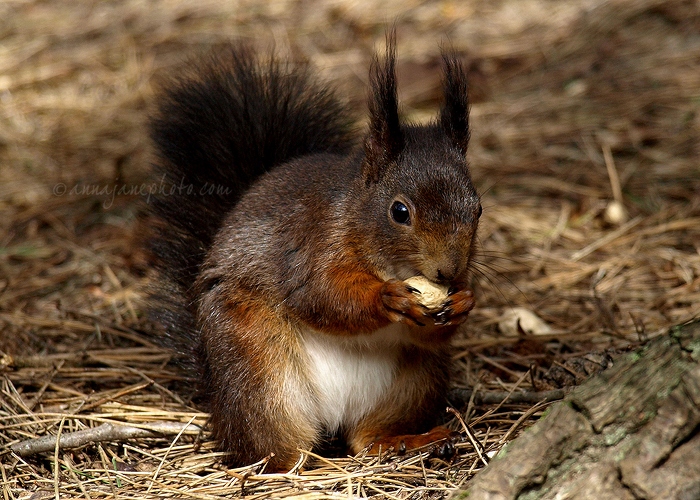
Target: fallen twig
x: 104, y: 432
x: 460, y: 397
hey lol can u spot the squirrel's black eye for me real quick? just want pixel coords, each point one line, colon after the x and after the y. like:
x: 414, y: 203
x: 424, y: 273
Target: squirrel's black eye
x: 399, y: 212
x: 478, y: 213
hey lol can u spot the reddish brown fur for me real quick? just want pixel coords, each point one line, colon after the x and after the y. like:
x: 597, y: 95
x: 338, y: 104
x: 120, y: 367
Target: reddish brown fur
x: 298, y: 300
x: 265, y: 344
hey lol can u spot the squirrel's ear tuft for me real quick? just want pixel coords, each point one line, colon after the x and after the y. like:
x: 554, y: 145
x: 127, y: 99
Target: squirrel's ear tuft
x: 454, y: 115
x: 385, y: 140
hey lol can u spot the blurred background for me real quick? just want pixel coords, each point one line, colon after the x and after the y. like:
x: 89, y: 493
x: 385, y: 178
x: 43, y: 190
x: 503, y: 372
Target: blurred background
x: 575, y: 105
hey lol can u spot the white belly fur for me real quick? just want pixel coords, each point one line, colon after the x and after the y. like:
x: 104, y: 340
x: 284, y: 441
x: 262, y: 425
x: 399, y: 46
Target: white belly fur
x: 350, y: 375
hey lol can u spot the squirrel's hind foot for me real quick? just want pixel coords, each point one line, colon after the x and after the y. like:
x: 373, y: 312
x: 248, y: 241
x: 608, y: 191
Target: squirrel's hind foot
x: 439, y: 440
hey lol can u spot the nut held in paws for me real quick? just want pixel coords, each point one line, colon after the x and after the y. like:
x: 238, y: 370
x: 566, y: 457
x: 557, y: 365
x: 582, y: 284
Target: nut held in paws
x: 432, y: 295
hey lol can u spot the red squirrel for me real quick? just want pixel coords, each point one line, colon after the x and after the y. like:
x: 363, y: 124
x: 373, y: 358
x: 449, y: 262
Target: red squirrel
x: 281, y: 245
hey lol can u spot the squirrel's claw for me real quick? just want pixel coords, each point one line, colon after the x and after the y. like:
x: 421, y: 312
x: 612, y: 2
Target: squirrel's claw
x: 455, y: 309
x: 447, y: 449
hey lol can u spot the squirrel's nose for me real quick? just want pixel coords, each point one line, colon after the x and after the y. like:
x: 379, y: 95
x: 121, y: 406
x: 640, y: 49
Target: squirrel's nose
x: 447, y: 273
x: 449, y: 265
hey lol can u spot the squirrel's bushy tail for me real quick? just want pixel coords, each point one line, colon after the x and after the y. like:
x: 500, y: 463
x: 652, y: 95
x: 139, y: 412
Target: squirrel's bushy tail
x: 219, y: 125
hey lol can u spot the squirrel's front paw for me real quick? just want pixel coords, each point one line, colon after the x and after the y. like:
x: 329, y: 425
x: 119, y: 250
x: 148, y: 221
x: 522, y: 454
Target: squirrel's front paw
x: 402, y: 304
x: 456, y: 308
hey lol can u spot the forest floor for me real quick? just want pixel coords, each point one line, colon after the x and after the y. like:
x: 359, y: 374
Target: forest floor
x: 585, y: 148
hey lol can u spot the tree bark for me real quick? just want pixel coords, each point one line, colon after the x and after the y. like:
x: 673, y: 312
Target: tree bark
x: 630, y: 432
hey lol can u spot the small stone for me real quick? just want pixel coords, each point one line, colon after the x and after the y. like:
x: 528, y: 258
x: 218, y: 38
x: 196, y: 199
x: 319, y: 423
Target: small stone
x: 519, y: 320
x: 615, y: 213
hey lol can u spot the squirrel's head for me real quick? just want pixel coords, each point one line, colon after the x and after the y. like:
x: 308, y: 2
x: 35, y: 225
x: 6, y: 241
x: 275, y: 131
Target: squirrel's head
x: 418, y: 192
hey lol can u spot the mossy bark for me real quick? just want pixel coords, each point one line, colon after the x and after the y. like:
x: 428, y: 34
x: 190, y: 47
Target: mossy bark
x: 630, y: 432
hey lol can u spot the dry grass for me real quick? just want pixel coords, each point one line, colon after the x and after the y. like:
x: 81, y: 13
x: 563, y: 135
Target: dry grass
x: 576, y: 105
